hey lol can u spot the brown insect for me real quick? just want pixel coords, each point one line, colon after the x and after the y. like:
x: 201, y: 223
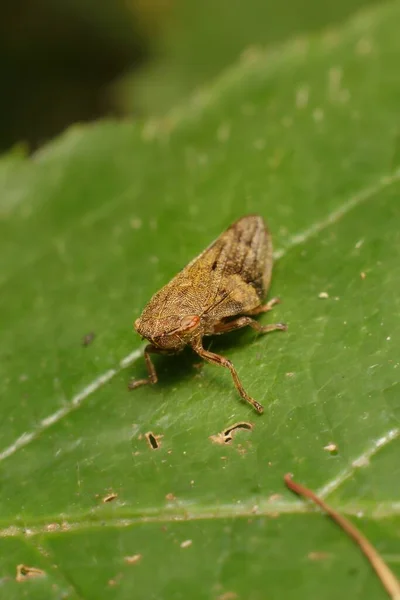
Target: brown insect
x: 217, y: 292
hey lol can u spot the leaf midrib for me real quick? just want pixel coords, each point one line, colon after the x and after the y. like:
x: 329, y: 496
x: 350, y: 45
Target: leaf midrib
x: 97, y: 519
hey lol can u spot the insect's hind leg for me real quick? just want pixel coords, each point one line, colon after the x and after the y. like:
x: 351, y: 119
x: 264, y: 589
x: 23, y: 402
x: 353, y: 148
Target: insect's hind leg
x: 265, y: 307
x: 224, y: 327
x: 224, y: 362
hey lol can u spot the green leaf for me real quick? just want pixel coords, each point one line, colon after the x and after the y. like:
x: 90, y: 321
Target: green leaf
x: 197, y: 40
x: 99, y: 220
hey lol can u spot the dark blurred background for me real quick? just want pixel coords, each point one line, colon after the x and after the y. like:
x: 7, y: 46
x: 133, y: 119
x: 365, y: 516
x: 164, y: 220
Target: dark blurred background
x: 63, y: 61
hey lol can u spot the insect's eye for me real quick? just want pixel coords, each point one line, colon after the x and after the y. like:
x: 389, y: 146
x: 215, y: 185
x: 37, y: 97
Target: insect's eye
x: 190, y: 322
x: 136, y: 324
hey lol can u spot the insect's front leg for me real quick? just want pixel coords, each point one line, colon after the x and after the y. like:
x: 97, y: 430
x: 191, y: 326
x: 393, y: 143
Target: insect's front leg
x: 224, y: 362
x: 152, y: 378
x: 224, y: 327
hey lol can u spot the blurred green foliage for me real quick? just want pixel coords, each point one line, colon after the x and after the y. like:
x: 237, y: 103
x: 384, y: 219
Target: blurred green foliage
x: 202, y: 38
x: 63, y: 61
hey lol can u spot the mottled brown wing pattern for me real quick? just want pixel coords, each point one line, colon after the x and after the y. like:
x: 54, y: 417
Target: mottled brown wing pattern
x: 231, y: 276
x: 235, y: 271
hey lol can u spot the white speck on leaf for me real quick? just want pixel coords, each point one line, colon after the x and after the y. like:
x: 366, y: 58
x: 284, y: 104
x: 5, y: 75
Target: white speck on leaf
x: 318, y: 115
x: 136, y: 223
x: 335, y: 76
x: 133, y: 560
x: 331, y: 447
x: 223, y: 132
x: 302, y: 96
x: 259, y: 144
x: 344, y: 96
x: 363, y: 47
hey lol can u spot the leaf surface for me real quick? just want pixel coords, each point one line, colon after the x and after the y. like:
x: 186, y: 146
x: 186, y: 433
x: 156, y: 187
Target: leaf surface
x: 99, y: 220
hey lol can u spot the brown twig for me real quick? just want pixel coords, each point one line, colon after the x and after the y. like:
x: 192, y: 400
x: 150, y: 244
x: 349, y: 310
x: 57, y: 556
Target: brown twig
x: 388, y: 579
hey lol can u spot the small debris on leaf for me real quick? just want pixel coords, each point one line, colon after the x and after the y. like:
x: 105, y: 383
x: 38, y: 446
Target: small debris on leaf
x: 273, y: 515
x: 170, y: 497
x: 319, y: 555
x: 275, y: 498
x: 226, y: 436
x: 186, y: 544
x: 24, y: 572
x: 363, y: 275
x: 331, y: 447
x: 88, y: 338
x: 132, y: 560
x: 110, y: 497
x: 323, y: 295
x: 116, y: 580
x: 241, y: 449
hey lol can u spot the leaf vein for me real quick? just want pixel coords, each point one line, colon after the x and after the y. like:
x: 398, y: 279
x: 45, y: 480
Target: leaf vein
x: 264, y: 508
x: 360, y: 461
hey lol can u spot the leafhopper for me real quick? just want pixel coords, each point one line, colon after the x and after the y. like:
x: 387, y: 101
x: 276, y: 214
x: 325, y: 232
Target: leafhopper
x: 219, y: 291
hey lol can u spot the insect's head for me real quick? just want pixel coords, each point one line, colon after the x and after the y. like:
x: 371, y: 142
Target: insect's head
x: 169, y: 333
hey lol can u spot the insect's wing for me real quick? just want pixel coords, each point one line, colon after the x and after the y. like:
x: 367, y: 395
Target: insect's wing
x: 234, y: 272
x: 229, y: 278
